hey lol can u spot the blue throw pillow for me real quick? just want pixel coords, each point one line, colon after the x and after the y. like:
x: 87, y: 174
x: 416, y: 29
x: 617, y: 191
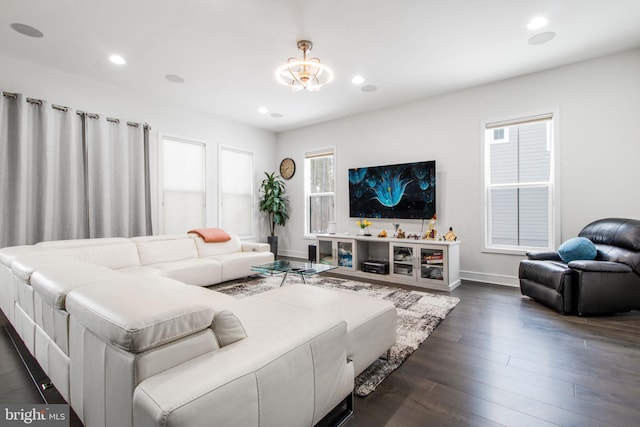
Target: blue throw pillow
x: 577, y: 248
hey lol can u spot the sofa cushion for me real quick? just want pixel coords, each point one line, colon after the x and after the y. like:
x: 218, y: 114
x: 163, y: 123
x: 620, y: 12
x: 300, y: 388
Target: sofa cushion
x: 80, y: 243
x: 140, y: 270
x: 53, y: 282
x: 238, y: 264
x: 227, y: 328
x: 161, y: 249
x: 140, y: 314
x: 114, y: 256
x: 198, y: 271
x: 621, y: 232
x: 7, y: 255
x: 23, y: 266
x: 577, y: 248
x: 211, y: 249
x: 366, y: 317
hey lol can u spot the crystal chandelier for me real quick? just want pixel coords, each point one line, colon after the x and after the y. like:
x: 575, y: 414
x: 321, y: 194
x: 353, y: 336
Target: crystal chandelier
x: 307, y: 74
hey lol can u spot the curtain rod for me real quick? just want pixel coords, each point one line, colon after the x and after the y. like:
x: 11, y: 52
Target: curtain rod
x: 36, y: 101
x: 40, y: 102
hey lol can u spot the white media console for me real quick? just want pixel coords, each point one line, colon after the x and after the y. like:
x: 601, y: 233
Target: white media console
x: 430, y: 264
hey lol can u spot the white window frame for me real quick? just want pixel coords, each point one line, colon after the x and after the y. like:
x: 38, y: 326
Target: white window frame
x: 307, y: 179
x: 553, y: 184
x: 221, y: 148
x: 160, y: 172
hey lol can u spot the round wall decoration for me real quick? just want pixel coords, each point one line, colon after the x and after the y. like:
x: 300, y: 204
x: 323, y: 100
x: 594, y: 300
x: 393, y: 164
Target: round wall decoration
x: 287, y: 168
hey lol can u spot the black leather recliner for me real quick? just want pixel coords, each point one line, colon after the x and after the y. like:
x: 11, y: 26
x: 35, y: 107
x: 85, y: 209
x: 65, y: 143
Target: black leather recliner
x: 608, y: 284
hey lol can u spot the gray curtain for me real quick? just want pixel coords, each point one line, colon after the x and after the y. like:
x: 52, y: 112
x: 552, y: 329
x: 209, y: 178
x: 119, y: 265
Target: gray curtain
x: 68, y: 175
x: 66, y: 210
x: 117, y: 180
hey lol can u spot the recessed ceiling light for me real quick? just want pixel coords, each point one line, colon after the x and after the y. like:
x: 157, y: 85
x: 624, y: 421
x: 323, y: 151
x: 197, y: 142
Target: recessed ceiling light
x: 541, y: 38
x: 117, y: 59
x: 357, y: 80
x: 263, y: 110
x: 276, y: 115
x: 369, y: 88
x: 173, y: 78
x: 27, y: 30
x: 537, y: 23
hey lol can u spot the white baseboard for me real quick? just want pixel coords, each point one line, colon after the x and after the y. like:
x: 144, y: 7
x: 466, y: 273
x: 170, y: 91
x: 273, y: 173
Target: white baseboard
x: 293, y: 254
x: 496, y: 279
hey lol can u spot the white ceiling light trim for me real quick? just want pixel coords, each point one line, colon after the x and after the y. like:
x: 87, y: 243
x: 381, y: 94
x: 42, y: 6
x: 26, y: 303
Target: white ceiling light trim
x: 305, y: 74
x: 537, y: 23
x: 117, y: 59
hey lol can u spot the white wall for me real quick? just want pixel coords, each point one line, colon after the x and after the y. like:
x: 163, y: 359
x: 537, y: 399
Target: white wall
x: 64, y: 89
x: 599, y: 144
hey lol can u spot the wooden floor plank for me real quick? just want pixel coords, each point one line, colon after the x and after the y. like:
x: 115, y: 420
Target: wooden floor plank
x: 501, y: 414
x: 463, y: 357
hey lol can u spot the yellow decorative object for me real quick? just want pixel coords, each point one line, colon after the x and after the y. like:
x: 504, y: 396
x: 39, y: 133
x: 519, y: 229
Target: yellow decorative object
x: 450, y: 236
x: 364, y: 223
x: 364, y: 226
x: 431, y: 230
x: 383, y: 233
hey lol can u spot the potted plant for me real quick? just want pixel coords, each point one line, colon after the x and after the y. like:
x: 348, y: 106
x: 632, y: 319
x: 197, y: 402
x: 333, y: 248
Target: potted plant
x: 275, y: 204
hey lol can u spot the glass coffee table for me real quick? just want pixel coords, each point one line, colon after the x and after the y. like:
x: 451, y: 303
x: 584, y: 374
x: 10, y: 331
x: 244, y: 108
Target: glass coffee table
x: 302, y: 269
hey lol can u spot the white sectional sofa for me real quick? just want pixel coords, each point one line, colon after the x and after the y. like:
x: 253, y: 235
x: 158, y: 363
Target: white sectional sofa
x: 127, y: 342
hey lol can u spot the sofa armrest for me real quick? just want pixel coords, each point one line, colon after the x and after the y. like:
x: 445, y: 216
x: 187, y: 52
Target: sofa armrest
x: 600, y: 266
x: 138, y: 315
x: 255, y: 247
x: 293, y: 376
x: 544, y: 256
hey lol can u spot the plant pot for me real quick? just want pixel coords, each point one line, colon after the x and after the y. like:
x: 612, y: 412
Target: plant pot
x: 273, y: 242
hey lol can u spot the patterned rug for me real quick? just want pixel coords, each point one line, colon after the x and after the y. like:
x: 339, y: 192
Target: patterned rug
x: 418, y: 315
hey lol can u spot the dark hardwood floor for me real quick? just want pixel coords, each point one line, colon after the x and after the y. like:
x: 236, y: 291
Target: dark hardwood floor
x: 497, y: 359
x: 502, y: 359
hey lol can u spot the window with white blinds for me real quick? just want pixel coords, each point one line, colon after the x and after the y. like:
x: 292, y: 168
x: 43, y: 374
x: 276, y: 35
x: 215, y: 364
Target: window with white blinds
x: 235, y: 175
x: 319, y: 191
x: 519, y: 184
x: 183, y: 185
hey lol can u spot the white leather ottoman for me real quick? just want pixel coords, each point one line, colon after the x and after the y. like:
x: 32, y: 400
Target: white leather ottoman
x: 371, y: 322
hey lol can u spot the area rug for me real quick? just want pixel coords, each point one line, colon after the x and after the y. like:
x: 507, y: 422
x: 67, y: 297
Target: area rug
x: 418, y: 315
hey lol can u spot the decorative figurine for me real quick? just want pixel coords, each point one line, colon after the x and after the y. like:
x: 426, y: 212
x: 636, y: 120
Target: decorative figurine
x: 431, y: 230
x: 450, y: 236
x: 400, y: 234
x: 383, y: 233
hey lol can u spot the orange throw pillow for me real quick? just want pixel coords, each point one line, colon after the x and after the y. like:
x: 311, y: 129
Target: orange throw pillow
x: 211, y: 235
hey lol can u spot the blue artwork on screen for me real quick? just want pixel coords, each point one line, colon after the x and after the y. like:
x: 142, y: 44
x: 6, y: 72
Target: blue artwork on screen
x: 403, y: 191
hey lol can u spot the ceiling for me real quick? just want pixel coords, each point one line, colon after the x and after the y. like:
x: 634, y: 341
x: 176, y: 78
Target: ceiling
x: 227, y: 50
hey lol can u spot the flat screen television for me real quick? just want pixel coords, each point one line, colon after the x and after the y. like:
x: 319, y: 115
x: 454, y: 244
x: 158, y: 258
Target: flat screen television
x: 403, y: 191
